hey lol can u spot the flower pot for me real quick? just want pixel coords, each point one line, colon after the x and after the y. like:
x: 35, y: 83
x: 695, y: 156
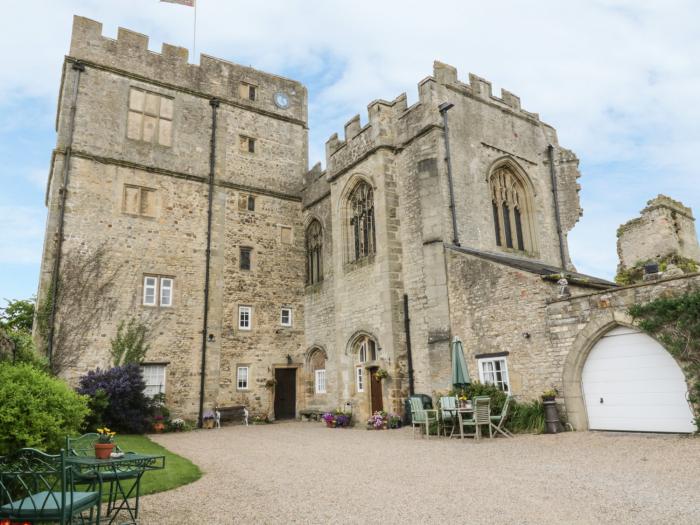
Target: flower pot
x: 158, y: 427
x: 103, y: 450
x: 207, y: 423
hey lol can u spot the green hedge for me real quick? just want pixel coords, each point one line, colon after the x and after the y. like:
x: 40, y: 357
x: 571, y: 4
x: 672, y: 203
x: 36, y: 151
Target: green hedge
x: 36, y: 410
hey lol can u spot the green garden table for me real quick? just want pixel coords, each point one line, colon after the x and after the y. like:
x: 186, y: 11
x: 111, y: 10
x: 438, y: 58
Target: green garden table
x: 131, y: 465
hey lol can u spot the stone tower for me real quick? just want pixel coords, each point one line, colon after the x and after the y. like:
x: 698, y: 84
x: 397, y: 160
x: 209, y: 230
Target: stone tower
x: 187, y: 179
x: 665, y: 228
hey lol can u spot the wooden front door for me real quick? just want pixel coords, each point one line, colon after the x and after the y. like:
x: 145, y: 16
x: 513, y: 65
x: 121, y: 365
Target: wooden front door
x: 375, y: 388
x: 285, y: 393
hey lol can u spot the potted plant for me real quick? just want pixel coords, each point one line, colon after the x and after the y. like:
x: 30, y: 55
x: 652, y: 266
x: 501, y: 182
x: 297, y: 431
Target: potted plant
x: 549, y: 395
x: 380, y: 374
x: 208, y: 419
x: 377, y: 421
x: 158, y: 423
x: 342, y: 420
x: 177, y: 424
x: 394, y: 421
x: 105, y: 443
x: 329, y: 418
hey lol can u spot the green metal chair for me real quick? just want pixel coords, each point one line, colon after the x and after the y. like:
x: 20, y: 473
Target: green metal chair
x: 448, y: 413
x: 498, y: 421
x: 36, y: 488
x: 84, y: 446
x: 423, y: 417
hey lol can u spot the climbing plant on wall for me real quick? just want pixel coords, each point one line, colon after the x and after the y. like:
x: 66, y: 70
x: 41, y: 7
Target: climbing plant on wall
x: 675, y: 322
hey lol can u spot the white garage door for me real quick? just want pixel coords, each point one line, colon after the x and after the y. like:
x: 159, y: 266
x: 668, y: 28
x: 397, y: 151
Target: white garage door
x: 630, y: 382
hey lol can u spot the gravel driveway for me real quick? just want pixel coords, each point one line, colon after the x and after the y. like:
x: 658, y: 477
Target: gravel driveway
x: 306, y: 473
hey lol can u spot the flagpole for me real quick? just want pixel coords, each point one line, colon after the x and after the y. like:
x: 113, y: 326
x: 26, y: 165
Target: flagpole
x: 194, y: 35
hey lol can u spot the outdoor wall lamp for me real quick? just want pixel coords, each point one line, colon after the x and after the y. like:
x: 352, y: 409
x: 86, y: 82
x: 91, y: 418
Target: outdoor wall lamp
x: 211, y: 338
x: 526, y: 335
x: 289, y: 359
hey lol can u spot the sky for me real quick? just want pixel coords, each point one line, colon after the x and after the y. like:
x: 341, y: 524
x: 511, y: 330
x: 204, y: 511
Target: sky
x: 619, y: 80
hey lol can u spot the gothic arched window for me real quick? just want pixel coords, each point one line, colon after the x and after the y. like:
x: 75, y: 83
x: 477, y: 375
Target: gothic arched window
x: 512, y: 211
x: 361, y: 223
x: 314, y: 253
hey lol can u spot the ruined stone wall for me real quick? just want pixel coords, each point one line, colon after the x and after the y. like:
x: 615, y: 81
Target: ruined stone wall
x: 664, y: 227
x: 574, y: 325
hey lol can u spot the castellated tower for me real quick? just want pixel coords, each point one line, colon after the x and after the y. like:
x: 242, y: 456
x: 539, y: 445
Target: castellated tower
x: 665, y: 229
x: 176, y: 184
x: 399, y: 260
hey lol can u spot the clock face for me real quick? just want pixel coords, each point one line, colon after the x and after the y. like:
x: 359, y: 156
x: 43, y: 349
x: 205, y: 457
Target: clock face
x: 281, y: 100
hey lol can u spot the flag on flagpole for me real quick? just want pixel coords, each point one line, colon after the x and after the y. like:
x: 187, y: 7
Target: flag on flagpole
x: 189, y: 3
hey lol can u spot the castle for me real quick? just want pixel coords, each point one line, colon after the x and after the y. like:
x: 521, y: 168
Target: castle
x: 282, y: 289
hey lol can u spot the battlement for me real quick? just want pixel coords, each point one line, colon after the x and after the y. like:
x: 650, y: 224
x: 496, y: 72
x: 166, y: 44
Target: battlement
x: 213, y: 77
x: 383, y: 127
x: 662, y: 201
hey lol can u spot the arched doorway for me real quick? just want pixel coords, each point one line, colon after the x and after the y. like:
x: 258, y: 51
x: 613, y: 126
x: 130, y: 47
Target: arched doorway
x: 365, y: 350
x: 631, y: 383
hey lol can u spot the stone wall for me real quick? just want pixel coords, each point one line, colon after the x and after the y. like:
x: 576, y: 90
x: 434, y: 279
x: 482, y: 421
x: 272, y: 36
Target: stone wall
x: 574, y: 325
x: 664, y: 227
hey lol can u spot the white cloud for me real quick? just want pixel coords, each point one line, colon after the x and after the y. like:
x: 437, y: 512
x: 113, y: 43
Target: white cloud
x: 617, y: 78
x: 22, y: 235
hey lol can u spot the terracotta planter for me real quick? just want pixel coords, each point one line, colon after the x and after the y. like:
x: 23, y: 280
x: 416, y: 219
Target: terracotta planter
x: 158, y: 427
x: 103, y: 450
x: 330, y: 424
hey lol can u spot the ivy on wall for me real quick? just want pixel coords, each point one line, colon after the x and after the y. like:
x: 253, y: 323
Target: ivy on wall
x: 675, y: 322
x: 635, y: 274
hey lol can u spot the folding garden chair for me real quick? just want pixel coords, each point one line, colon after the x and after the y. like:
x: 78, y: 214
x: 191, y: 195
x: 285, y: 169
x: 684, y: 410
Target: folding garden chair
x: 500, y: 420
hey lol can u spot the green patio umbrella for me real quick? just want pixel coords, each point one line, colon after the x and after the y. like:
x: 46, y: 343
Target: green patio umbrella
x: 460, y: 372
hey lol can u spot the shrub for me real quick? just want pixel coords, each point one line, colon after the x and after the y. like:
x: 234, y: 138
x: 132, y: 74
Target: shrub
x: 128, y: 410
x: 527, y: 417
x: 498, y: 397
x: 36, y: 410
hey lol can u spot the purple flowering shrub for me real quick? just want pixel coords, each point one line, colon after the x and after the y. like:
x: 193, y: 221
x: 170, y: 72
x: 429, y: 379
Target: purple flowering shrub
x: 128, y: 409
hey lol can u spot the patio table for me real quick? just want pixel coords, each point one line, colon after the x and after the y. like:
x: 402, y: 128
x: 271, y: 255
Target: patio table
x: 460, y: 411
x: 112, y: 467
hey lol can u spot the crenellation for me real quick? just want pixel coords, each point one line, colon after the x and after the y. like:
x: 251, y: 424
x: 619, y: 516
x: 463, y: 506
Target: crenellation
x: 352, y: 128
x: 213, y: 77
x: 480, y: 87
x: 444, y: 73
x: 510, y: 99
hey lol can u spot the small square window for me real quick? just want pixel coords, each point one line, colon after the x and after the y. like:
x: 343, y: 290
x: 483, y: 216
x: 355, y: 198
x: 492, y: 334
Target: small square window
x: 242, y: 378
x: 245, y: 317
x: 286, y: 317
x: 247, y: 91
x: 139, y: 201
x: 158, y: 291
x: 245, y: 258
x: 247, y: 144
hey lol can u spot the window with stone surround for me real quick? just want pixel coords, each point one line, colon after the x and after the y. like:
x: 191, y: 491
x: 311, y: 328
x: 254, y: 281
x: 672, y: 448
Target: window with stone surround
x: 158, y: 290
x: 314, y: 252
x: 511, y: 206
x: 494, y: 370
x: 154, y: 377
x: 242, y: 377
x: 245, y: 258
x: 139, y: 201
x: 360, y: 379
x: 286, y: 317
x: 245, y: 317
x: 247, y: 91
x: 246, y: 202
x: 360, y: 222
x: 150, y: 117
x: 247, y: 144
x: 317, y: 365
x: 366, y: 349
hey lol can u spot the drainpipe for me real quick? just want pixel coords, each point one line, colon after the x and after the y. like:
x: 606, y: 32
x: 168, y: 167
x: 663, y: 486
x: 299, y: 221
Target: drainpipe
x: 444, y: 108
x: 409, y: 355
x: 79, y: 68
x: 214, y: 103
x: 555, y: 196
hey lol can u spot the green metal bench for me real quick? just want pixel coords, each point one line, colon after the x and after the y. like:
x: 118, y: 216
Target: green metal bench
x: 36, y: 488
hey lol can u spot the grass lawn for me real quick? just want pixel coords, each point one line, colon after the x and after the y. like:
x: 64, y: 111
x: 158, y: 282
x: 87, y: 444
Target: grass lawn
x: 178, y: 470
